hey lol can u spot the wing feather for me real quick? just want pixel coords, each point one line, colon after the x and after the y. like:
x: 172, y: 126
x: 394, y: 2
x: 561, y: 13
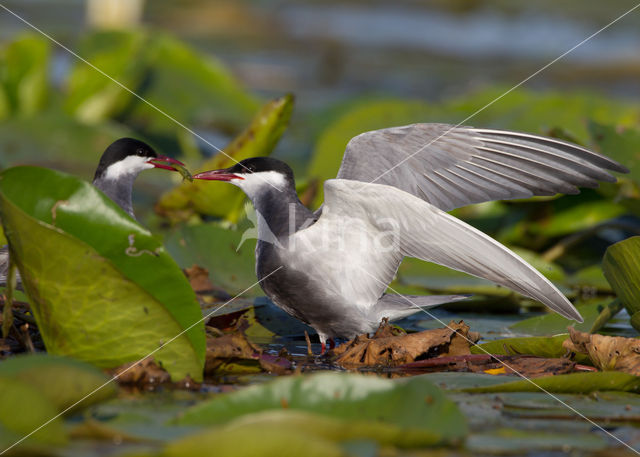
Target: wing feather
x: 452, y: 166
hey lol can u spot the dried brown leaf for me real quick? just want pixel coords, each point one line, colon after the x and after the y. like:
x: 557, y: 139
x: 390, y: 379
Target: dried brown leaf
x: 199, y: 278
x: 234, y: 352
x: 606, y: 352
x: 145, y: 373
x: 388, y: 348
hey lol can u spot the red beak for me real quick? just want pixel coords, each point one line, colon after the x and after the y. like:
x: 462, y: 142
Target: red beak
x: 161, y: 158
x: 217, y: 175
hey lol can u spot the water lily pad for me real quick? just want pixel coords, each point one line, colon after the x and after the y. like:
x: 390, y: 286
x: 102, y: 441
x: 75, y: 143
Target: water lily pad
x: 621, y: 266
x: 23, y: 409
x: 578, y: 383
x: 102, y: 288
x: 216, y: 249
x: 63, y: 381
x: 415, y: 404
x: 25, y: 77
x: 197, y: 90
x: 290, y: 434
x: 539, y: 346
x: 553, y: 324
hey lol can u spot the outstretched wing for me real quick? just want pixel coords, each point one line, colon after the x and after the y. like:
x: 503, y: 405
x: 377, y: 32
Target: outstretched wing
x: 452, y: 166
x: 415, y: 228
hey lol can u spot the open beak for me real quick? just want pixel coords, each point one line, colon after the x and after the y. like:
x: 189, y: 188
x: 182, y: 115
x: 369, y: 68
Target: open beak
x: 217, y: 175
x: 164, y: 166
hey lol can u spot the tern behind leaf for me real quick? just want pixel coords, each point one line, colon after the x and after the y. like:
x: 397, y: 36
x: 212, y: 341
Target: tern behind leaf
x: 118, y: 168
x: 388, y: 202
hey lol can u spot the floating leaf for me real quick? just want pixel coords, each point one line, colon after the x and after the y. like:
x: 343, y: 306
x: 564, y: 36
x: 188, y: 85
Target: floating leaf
x: 63, y: 381
x: 197, y: 90
x: 576, y: 383
x: 621, y: 144
x: 23, y: 408
x: 508, y: 441
x: 621, y: 266
x: 538, y: 346
x: 273, y: 433
x: 414, y: 404
x: 102, y: 289
x: 92, y: 97
x: 25, y: 76
x: 218, y: 199
x: 52, y: 138
x: 553, y: 324
x: 215, y: 249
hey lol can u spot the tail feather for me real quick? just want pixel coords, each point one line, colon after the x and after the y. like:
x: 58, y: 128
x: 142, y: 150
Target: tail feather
x: 395, y: 306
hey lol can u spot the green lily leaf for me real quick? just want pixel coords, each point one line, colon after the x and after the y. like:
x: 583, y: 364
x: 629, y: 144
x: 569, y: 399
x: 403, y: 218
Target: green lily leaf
x: 576, y: 383
x: 23, y: 408
x: 162, y: 70
x: 218, y: 199
x: 92, y: 97
x: 538, y: 346
x: 621, y: 266
x: 216, y: 249
x: 274, y: 433
x: 51, y: 138
x: 40, y: 387
x: 415, y: 405
x: 197, y: 89
x: 549, y: 347
x: 25, y: 78
x: 102, y: 289
x: 316, y: 428
x: 578, y: 217
x: 63, y: 381
x: 553, y: 324
x: 621, y: 144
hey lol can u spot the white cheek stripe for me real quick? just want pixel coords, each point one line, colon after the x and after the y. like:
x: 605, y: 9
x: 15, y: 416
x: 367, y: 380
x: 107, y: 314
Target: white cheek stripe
x: 253, y: 183
x: 131, y: 165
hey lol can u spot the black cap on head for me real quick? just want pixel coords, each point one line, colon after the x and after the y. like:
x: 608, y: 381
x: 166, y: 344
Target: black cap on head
x: 121, y: 149
x: 258, y: 164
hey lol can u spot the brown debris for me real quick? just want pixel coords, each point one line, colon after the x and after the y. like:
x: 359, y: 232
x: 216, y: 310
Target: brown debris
x: 199, y: 279
x: 146, y: 373
x: 389, y: 346
x: 504, y: 365
x: 207, y: 292
x: 606, y: 352
x: 234, y: 353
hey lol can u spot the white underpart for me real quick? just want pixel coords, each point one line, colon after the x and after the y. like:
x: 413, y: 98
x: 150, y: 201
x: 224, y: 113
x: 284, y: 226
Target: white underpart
x: 254, y: 184
x: 131, y: 165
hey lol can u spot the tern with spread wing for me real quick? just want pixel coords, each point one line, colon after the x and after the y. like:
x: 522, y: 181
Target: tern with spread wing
x: 119, y: 166
x: 331, y: 268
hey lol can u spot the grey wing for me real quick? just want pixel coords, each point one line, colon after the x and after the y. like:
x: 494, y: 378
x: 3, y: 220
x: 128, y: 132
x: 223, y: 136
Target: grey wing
x: 452, y: 166
x: 423, y: 231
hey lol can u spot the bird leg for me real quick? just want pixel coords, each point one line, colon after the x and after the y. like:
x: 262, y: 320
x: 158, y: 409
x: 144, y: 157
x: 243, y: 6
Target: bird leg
x: 323, y: 346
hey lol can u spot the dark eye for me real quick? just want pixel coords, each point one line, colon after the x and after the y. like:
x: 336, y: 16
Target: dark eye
x: 140, y: 152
